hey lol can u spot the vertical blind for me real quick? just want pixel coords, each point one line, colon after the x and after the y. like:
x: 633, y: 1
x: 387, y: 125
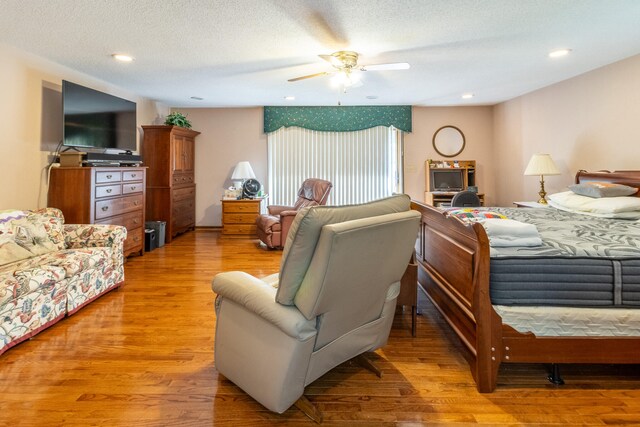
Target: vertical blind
x: 362, y: 165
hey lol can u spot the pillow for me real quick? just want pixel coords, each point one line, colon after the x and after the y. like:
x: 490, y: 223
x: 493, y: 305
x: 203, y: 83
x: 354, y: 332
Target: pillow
x: 598, y: 189
x: 618, y: 215
x: 604, y: 205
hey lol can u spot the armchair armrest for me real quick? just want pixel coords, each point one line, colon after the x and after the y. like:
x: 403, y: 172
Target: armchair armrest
x: 96, y: 235
x: 286, y: 219
x: 258, y: 297
x: 277, y: 209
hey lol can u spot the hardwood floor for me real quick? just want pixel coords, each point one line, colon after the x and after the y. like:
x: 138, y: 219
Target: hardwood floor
x: 143, y: 356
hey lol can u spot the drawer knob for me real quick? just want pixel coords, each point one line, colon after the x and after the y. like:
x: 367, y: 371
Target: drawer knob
x: 135, y: 221
x: 136, y: 203
x: 109, y: 176
x: 109, y: 190
x: 133, y: 187
x: 133, y: 175
x: 105, y: 208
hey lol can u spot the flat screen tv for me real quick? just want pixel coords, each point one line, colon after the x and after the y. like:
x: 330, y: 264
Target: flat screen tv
x: 446, y: 179
x: 98, y: 120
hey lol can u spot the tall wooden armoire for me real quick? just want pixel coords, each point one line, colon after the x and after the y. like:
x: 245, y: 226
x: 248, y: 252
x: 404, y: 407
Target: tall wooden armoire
x: 169, y: 154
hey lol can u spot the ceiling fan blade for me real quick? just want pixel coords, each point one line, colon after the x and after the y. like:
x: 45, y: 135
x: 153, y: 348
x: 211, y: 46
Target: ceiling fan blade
x: 383, y: 67
x: 332, y: 60
x: 309, y: 76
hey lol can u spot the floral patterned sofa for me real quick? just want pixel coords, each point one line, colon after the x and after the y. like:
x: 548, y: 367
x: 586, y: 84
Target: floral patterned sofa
x: 49, y: 269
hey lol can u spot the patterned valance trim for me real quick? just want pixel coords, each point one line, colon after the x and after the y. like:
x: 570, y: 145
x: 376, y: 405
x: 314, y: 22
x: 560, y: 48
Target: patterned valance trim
x: 338, y: 119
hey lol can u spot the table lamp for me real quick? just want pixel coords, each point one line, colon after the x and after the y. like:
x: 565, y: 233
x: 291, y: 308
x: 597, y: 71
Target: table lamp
x: 541, y: 164
x: 241, y: 173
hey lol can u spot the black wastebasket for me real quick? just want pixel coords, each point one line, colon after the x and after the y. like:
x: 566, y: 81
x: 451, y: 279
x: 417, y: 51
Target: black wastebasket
x: 150, y: 241
x: 159, y: 227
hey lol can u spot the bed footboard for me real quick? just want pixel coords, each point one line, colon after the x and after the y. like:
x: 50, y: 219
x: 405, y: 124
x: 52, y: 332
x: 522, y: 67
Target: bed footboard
x: 454, y: 272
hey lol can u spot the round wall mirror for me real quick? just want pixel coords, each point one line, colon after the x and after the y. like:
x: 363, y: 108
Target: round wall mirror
x: 448, y: 141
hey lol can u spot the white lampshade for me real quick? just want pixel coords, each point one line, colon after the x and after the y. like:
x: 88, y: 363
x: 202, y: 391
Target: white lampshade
x: 541, y: 164
x: 242, y: 171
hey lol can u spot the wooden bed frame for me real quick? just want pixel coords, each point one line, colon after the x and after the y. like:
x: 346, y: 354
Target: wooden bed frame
x: 454, y: 272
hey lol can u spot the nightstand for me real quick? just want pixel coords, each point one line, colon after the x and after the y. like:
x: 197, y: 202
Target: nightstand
x: 239, y: 217
x: 530, y: 205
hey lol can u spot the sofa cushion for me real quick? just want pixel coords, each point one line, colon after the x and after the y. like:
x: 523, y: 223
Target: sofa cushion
x: 16, y: 284
x: 305, y: 231
x: 72, y: 261
x: 24, y: 234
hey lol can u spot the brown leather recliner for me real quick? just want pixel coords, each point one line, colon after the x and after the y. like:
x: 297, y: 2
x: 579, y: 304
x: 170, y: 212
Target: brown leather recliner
x: 273, y: 228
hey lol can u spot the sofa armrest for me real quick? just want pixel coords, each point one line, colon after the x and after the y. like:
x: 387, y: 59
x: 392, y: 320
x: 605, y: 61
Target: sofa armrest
x: 97, y: 235
x: 258, y: 297
x: 277, y: 209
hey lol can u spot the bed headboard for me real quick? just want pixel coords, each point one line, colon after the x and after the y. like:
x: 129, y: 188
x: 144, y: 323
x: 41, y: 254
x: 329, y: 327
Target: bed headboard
x: 630, y: 178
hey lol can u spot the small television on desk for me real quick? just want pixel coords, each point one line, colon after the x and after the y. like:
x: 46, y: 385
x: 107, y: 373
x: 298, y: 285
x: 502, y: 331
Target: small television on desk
x: 443, y: 179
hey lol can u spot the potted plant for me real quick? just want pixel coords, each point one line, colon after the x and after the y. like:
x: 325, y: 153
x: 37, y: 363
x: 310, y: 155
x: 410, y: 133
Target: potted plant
x: 177, y: 119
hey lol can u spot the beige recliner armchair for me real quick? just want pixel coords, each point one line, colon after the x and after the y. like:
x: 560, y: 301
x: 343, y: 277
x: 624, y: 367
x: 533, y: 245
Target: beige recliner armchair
x: 274, y: 227
x: 337, y: 288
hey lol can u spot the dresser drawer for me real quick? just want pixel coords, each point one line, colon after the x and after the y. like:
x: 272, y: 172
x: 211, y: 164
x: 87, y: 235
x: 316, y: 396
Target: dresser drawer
x: 240, y: 229
x: 132, y: 176
x: 134, y: 240
x: 183, y: 179
x: 184, y: 193
x: 239, y: 218
x: 107, y: 208
x: 108, y: 176
x: 241, y: 207
x: 130, y: 221
x: 108, y: 191
x: 132, y: 187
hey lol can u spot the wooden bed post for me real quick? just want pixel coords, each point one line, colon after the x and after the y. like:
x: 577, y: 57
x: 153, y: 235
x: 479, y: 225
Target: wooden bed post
x: 488, y: 324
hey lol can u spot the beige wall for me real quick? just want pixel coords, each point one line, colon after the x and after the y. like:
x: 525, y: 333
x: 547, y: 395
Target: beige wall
x: 228, y: 136
x: 587, y: 122
x: 477, y: 126
x: 31, y: 109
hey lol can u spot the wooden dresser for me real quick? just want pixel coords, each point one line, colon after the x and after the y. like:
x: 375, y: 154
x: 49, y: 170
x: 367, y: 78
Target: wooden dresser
x: 102, y: 195
x: 169, y: 154
x: 239, y: 217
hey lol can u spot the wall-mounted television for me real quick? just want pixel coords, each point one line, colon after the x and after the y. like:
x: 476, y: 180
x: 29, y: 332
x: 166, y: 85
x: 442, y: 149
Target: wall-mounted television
x: 446, y: 179
x: 94, y: 119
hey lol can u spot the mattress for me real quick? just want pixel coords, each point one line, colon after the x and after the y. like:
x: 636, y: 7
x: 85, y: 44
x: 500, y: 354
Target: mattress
x: 583, y: 262
x: 572, y: 321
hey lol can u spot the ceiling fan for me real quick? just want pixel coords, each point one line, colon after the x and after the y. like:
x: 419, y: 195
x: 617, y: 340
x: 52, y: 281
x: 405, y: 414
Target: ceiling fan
x: 345, y: 63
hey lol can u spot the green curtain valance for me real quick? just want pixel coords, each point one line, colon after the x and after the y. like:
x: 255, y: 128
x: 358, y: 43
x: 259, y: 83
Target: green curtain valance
x: 337, y: 119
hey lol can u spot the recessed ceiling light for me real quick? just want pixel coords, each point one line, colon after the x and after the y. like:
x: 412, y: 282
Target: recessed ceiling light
x: 558, y: 53
x: 197, y: 98
x: 372, y: 96
x: 467, y: 95
x: 122, y: 57
x: 289, y: 98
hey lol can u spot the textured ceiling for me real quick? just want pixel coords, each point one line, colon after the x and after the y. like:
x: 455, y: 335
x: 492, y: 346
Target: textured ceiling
x: 241, y: 52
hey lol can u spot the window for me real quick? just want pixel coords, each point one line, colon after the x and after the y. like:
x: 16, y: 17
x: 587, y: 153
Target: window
x: 362, y: 165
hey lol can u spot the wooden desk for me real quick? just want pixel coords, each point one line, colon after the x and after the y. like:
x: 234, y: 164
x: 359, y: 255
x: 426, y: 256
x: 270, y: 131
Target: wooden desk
x: 437, y: 198
x: 239, y: 217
